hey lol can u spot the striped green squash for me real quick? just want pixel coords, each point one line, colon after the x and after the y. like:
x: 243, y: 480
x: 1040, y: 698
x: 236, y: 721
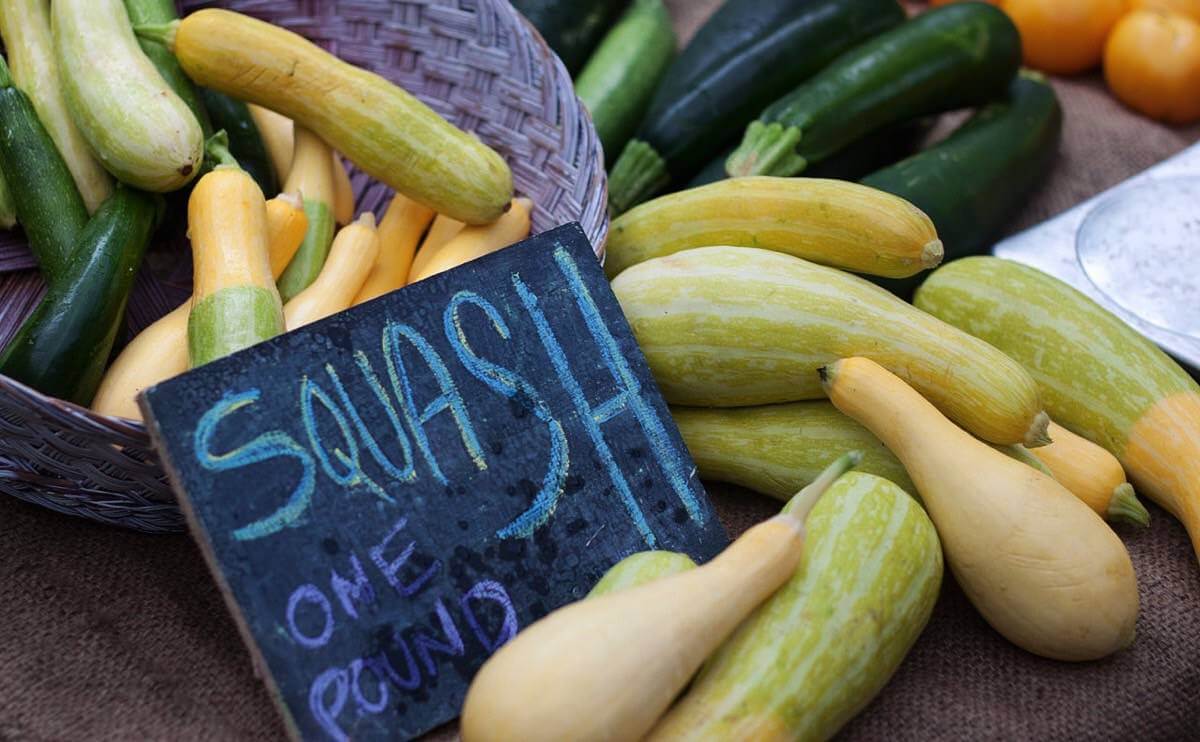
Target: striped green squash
x: 640, y: 568
x: 738, y: 326
x: 778, y: 449
x: 826, y: 643
x: 1099, y: 378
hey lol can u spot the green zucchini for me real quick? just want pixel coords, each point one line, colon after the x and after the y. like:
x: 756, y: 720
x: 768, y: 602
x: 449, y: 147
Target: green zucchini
x: 44, y: 197
x: 963, y: 54
x: 62, y: 348
x: 245, y: 141
x: 25, y: 25
x: 8, y: 211
x: 748, y: 54
x: 141, y: 130
x: 572, y: 28
x: 827, y: 642
x: 619, y: 79
x: 779, y: 449
x: 145, y: 12
x: 640, y: 568
x: 975, y: 180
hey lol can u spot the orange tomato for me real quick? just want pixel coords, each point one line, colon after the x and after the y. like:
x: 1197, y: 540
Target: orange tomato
x: 1190, y: 8
x: 1152, y: 64
x: 1064, y: 37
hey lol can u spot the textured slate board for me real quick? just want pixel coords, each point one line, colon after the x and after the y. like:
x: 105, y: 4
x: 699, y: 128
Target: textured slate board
x: 388, y: 495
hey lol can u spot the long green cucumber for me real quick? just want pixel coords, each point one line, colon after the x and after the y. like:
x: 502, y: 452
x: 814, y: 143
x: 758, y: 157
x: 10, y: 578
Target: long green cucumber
x: 44, y: 197
x: 572, y: 28
x: 8, y: 210
x: 245, y: 141
x: 778, y: 450
x: 62, y: 348
x: 144, y: 12
x: 618, y: 81
x: 1099, y: 378
x: 972, y: 183
x: 745, y: 56
x: 962, y: 54
x: 737, y: 326
x: 25, y: 25
x: 640, y: 568
x: 827, y: 642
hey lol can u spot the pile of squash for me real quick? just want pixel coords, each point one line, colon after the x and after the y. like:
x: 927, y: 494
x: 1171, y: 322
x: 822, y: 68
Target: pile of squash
x: 1150, y: 49
x: 111, y: 103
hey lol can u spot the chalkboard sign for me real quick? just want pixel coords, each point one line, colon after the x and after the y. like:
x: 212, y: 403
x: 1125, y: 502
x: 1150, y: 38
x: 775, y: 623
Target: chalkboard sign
x: 387, y: 496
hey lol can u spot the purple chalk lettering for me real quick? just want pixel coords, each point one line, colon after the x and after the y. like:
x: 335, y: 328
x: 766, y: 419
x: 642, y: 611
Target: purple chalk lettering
x: 389, y: 569
x: 495, y: 592
x: 327, y: 716
x: 426, y: 645
x: 413, y: 681
x: 360, y: 699
x: 348, y: 592
x: 310, y: 594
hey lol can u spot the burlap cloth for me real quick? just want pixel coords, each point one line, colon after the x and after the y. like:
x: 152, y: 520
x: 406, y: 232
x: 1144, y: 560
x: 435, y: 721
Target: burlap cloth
x: 109, y: 635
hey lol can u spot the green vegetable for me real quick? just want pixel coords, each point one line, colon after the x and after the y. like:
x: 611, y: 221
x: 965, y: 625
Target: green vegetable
x: 245, y: 141
x: 827, y: 642
x: 43, y: 192
x: 640, y: 568
x: 144, y: 12
x: 749, y: 53
x: 62, y: 348
x: 8, y: 211
x: 572, y: 28
x: 973, y: 182
x: 962, y: 54
x: 619, y: 79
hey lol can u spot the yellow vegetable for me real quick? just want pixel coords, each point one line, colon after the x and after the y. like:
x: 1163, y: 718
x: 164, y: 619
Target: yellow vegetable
x: 1039, y: 564
x: 401, y: 228
x: 474, y: 242
x: 311, y: 176
x: 343, y: 193
x: 607, y: 667
x: 441, y: 231
x: 384, y: 130
x: 277, y: 133
x: 1093, y: 474
x: 350, y: 260
x: 832, y: 222
x: 160, y: 351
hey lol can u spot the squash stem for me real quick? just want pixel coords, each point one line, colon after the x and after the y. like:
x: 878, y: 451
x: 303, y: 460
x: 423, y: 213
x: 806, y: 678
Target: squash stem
x: 640, y: 172
x: 767, y: 149
x: 216, y: 149
x: 161, y: 33
x: 803, y: 501
x: 1125, y: 507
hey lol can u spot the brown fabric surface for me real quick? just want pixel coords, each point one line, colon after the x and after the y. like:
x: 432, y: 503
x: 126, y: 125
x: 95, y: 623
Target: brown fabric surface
x: 108, y: 635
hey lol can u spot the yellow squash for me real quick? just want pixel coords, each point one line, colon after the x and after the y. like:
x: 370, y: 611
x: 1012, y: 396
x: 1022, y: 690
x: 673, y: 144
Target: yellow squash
x: 473, y: 242
x: 441, y: 231
x: 350, y: 260
x: 1039, y: 564
x: 277, y: 133
x: 399, y: 232
x: 343, y: 192
x: 1093, y: 474
x: 311, y: 175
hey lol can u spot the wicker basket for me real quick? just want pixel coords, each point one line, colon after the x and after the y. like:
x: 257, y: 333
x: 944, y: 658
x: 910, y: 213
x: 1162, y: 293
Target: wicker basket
x: 476, y: 62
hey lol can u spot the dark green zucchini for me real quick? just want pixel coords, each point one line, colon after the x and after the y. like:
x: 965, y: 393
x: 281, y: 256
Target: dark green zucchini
x: 976, y: 179
x: 959, y: 55
x: 572, y: 28
x: 62, y: 348
x: 44, y: 196
x: 151, y: 12
x: 748, y: 54
x: 877, y: 149
x: 618, y: 81
x: 245, y: 141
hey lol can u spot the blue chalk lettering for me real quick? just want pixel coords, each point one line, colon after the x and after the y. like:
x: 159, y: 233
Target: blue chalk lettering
x: 494, y: 592
x: 310, y: 594
x: 360, y: 699
x: 389, y: 569
x: 413, y: 679
x: 327, y: 716
x: 512, y: 386
x: 426, y: 645
x: 310, y: 391
x: 449, y: 399
x: 408, y: 472
x: 630, y: 396
x: 348, y: 592
x: 267, y: 446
